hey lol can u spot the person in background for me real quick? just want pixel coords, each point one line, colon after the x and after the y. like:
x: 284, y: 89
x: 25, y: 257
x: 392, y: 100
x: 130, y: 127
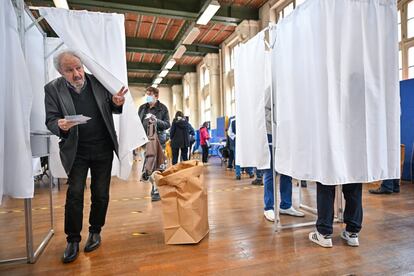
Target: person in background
x: 180, y: 137
x: 191, y: 132
x: 388, y: 186
x: 204, y: 138
x: 286, y: 207
x: 259, y: 178
x: 83, y: 146
x: 232, y: 139
x: 154, y: 110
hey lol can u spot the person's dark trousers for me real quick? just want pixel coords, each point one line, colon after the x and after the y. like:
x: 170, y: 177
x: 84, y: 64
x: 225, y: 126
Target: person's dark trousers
x: 184, y: 154
x: 204, y: 148
x: 353, y: 207
x: 100, y: 165
x: 391, y: 185
x: 259, y: 174
x: 231, y: 159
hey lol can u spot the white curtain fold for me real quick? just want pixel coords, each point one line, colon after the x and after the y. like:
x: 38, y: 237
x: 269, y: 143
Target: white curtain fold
x: 99, y: 38
x: 336, y: 91
x: 16, y: 171
x: 250, y: 85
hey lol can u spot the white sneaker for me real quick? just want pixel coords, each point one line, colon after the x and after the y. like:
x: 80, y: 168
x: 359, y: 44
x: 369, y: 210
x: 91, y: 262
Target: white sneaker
x: 350, y: 238
x: 291, y: 212
x: 324, y: 241
x: 269, y: 215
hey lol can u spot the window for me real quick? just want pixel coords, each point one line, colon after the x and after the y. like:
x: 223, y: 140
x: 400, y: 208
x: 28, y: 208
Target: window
x: 288, y: 9
x: 232, y: 56
x: 186, y: 89
x: 207, y: 108
x: 399, y: 26
x: 410, y: 19
x: 233, y: 101
x: 411, y: 63
x: 400, y: 64
x: 204, y: 76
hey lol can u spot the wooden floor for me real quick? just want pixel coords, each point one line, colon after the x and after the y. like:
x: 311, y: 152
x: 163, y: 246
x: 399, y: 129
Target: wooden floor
x: 240, y: 241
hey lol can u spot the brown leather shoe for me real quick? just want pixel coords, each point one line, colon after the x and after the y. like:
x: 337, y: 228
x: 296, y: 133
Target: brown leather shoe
x: 379, y: 191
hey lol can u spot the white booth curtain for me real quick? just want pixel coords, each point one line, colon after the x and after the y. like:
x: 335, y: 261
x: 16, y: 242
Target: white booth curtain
x: 250, y: 84
x: 335, y: 79
x: 16, y: 178
x: 100, y: 40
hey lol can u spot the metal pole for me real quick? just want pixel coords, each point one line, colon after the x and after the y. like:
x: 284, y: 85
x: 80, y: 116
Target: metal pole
x: 29, y: 229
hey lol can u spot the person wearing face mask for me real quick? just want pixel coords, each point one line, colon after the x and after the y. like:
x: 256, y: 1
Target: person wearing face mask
x: 154, y: 109
x: 156, y: 112
x: 83, y: 146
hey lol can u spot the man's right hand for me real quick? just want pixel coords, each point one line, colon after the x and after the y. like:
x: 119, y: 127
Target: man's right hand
x: 65, y: 125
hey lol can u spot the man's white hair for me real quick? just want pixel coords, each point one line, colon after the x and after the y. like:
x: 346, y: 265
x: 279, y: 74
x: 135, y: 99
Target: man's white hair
x: 60, y: 54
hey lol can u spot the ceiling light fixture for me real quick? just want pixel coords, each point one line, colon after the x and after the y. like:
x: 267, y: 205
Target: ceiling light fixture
x: 63, y: 4
x: 192, y: 35
x: 211, y: 10
x: 157, y: 81
x: 180, y: 52
x: 163, y: 73
x: 170, y: 64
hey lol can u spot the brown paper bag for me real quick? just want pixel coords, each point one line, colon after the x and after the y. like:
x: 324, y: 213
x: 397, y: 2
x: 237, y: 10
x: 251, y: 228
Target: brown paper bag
x: 184, y: 202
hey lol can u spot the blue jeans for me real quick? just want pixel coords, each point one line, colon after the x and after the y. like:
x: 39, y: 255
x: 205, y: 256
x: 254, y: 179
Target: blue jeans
x: 391, y: 185
x: 249, y: 170
x: 285, y: 186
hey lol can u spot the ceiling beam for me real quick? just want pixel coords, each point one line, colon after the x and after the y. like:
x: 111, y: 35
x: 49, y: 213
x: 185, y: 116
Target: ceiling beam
x: 140, y: 45
x: 142, y: 67
x: 180, y: 9
x: 148, y: 81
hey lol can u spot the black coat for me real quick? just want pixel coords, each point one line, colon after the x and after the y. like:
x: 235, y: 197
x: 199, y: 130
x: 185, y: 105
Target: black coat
x: 180, y: 134
x: 160, y: 111
x: 58, y: 104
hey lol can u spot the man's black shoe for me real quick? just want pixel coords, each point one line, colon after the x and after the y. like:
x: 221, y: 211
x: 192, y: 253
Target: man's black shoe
x: 379, y: 191
x: 258, y: 182
x: 93, y: 242
x: 396, y: 191
x: 71, y: 252
x: 155, y: 197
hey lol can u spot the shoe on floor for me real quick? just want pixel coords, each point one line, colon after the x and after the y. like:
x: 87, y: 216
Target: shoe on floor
x: 238, y: 177
x: 396, y: 191
x: 379, y: 191
x: 93, y: 242
x: 324, y: 241
x: 291, y: 212
x: 350, y: 238
x: 269, y: 215
x: 71, y: 252
x: 251, y: 175
x: 155, y: 197
x: 257, y: 182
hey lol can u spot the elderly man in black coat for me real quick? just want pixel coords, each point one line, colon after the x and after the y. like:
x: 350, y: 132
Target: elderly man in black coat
x: 83, y: 146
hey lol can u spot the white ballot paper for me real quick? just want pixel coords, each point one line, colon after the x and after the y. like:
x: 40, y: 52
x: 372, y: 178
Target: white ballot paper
x: 77, y: 119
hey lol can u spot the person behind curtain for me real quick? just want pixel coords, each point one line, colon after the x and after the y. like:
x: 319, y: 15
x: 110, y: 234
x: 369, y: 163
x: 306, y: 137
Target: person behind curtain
x: 83, y: 147
x: 232, y: 135
x: 285, y: 207
x: 154, y: 110
x: 388, y: 186
x: 353, y: 214
x: 204, y: 138
x: 180, y: 137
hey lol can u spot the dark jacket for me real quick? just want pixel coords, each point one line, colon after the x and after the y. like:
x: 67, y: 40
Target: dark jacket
x: 58, y: 104
x: 180, y: 134
x: 163, y: 119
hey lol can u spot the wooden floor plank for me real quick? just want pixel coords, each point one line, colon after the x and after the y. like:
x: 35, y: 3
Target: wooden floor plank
x: 240, y: 242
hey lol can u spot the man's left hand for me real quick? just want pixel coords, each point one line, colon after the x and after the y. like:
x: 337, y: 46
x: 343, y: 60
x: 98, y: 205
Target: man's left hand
x: 119, y: 98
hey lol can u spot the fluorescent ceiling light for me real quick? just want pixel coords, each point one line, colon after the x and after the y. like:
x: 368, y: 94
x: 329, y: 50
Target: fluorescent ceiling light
x: 163, y: 73
x: 170, y: 64
x: 61, y: 4
x: 211, y: 10
x: 192, y: 35
x: 180, y: 52
x: 157, y: 81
